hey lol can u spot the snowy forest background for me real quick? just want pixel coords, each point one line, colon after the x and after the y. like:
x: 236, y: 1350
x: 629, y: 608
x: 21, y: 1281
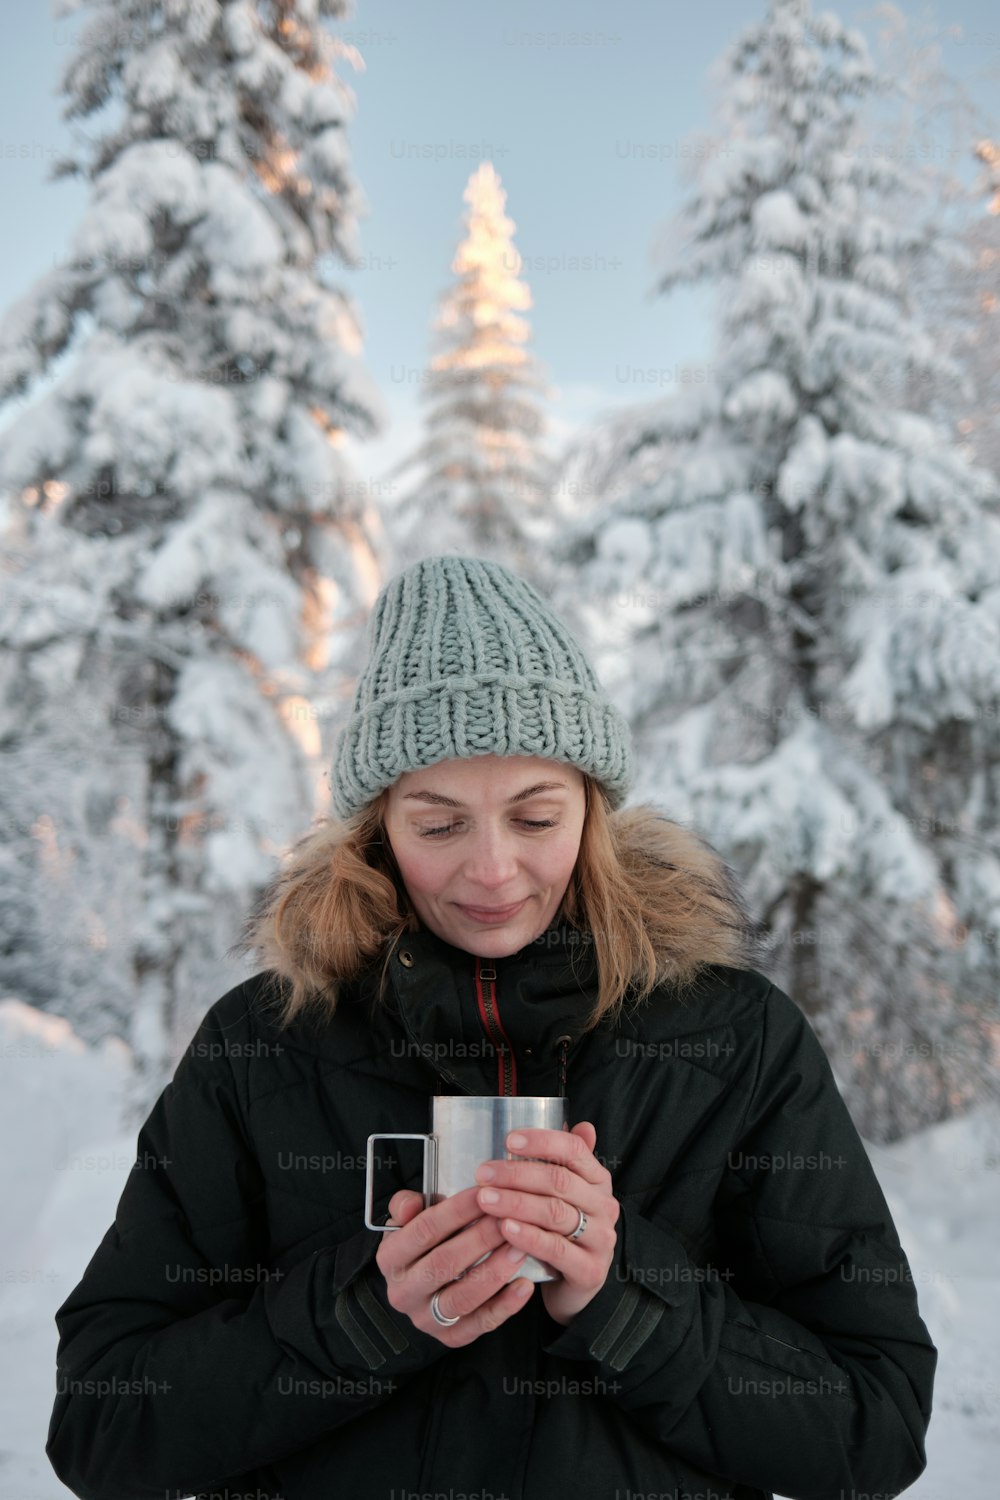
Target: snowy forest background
x: 786, y: 571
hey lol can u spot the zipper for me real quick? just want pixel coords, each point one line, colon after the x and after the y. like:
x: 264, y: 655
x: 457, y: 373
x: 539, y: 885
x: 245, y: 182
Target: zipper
x: 489, y: 1014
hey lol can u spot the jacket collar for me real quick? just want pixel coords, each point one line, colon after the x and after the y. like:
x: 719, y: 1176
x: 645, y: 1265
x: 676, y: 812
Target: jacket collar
x: 542, y: 995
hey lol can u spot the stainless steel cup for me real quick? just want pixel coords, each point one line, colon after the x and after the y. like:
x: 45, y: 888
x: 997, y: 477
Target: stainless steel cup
x: 466, y: 1130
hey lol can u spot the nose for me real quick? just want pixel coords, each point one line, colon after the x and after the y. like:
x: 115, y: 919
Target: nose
x: 491, y: 860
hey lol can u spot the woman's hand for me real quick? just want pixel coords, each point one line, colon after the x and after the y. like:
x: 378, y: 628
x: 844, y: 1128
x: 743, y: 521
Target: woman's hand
x: 454, y: 1249
x: 537, y: 1205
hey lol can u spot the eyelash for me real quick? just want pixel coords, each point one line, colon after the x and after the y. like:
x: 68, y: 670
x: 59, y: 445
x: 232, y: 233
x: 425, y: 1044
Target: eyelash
x: 427, y: 833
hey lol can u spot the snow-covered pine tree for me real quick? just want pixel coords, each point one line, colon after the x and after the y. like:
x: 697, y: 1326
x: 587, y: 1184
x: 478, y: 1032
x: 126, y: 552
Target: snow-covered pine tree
x: 948, y: 138
x: 186, y: 557
x: 977, y: 348
x: 482, y: 475
x: 792, y: 584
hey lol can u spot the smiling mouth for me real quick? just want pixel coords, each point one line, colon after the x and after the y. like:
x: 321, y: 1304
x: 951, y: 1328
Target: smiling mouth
x: 494, y: 912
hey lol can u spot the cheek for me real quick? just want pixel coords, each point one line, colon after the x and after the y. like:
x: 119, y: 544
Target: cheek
x: 560, y: 857
x: 420, y: 871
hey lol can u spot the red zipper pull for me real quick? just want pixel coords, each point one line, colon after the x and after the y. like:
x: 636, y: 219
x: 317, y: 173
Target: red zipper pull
x: 489, y: 1014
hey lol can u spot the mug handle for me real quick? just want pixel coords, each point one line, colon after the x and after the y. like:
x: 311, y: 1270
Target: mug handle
x: 428, y: 1179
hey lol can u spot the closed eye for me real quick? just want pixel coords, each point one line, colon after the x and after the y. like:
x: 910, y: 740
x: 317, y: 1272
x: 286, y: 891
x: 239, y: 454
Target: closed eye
x: 429, y: 833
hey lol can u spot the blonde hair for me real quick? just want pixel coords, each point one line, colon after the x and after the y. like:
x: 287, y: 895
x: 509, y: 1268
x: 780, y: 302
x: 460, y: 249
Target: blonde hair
x: 656, y: 901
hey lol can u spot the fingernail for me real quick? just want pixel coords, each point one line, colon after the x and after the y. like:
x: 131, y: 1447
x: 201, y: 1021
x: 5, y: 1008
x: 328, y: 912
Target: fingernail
x: 513, y: 1254
x: 489, y: 1196
x: 485, y: 1174
x: 515, y: 1142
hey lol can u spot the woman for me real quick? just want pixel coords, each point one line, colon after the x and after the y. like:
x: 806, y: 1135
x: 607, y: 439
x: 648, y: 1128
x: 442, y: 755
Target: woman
x: 732, y: 1315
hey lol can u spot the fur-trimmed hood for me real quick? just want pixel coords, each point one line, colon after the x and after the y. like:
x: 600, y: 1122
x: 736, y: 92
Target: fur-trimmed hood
x: 696, y: 911
x: 691, y: 911
x: 683, y: 903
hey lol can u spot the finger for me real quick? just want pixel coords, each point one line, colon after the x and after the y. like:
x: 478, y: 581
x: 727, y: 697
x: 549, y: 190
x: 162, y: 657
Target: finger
x: 559, y: 1214
x: 564, y: 1146
x: 535, y: 1188
x: 467, y: 1254
x: 481, y: 1285
x: 404, y: 1205
x: 432, y: 1226
x: 557, y: 1178
x: 465, y: 1296
x: 423, y: 1256
x: 495, y: 1309
x: 573, y: 1260
x: 463, y: 1254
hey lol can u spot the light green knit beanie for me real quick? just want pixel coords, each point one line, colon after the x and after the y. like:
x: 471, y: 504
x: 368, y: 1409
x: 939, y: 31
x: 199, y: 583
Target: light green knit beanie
x: 465, y: 658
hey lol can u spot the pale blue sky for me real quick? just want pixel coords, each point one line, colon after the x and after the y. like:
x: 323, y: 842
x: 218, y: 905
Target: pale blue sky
x: 584, y: 110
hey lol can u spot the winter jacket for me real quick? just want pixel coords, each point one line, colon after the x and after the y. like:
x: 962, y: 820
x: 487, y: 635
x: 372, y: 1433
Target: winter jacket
x: 758, y: 1330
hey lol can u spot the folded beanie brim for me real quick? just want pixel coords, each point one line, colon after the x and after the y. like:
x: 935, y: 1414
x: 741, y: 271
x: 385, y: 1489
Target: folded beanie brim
x: 388, y: 738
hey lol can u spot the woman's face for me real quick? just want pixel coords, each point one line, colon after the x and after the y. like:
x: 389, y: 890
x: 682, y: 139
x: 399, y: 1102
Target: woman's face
x: 469, y: 843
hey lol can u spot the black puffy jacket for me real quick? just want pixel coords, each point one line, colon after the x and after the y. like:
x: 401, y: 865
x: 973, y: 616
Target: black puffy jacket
x: 758, y: 1330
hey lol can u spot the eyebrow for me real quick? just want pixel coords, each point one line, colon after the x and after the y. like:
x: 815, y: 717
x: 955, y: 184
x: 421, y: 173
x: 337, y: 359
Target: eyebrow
x: 440, y: 800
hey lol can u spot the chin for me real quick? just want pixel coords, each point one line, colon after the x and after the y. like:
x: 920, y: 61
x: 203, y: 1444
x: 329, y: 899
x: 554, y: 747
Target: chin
x: 494, y: 942
x: 502, y: 943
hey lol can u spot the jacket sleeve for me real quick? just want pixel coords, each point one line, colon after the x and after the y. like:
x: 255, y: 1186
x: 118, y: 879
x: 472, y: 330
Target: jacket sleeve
x: 801, y: 1364
x: 183, y: 1356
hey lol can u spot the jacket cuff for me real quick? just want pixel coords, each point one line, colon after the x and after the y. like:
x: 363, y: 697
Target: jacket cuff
x: 648, y: 1289
x: 340, y: 1316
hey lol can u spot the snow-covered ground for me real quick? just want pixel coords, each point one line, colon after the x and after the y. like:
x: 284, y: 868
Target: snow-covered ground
x: 66, y: 1160
x: 62, y: 1170
x: 943, y: 1186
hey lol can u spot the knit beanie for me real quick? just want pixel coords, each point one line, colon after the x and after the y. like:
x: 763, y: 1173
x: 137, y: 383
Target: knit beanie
x: 465, y: 658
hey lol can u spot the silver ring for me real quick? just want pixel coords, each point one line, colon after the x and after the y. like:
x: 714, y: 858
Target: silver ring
x: 580, y: 1227
x: 438, y: 1315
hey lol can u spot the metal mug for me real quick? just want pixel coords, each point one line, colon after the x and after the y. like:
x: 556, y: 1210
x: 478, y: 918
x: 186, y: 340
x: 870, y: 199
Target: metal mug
x: 466, y: 1130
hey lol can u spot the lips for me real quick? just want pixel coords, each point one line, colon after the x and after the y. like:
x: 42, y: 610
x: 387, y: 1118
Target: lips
x: 491, y: 914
